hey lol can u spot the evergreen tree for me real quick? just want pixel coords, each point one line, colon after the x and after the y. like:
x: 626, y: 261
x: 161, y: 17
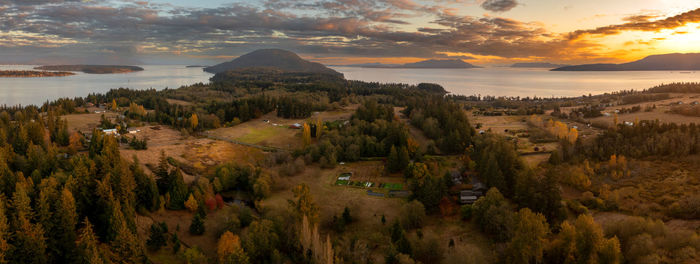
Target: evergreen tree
x: 393, y: 162
x: 197, y: 225
x: 146, y: 188
x: 88, y: 246
x: 29, y: 241
x: 4, y: 234
x: 157, y: 238
x: 403, y: 158
x: 67, y: 221
x: 178, y: 191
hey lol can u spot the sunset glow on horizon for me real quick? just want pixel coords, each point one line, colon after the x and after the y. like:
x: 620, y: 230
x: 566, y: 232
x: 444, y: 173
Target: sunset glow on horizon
x: 482, y: 32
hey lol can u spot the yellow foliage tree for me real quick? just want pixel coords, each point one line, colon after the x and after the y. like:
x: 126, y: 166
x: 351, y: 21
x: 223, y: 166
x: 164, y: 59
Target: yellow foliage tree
x: 306, y: 134
x: 229, y: 249
x: 74, y: 142
x: 191, y: 204
x: 194, y: 121
x: 304, y: 203
x: 115, y: 107
x: 319, y: 127
x: 573, y: 135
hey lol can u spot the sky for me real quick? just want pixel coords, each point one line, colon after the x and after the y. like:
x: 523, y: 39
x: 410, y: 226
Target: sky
x: 482, y: 32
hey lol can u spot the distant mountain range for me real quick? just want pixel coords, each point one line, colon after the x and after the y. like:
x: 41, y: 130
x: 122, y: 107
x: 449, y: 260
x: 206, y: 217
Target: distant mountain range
x: 426, y: 64
x: 537, y: 65
x: 663, y: 62
x: 273, y: 58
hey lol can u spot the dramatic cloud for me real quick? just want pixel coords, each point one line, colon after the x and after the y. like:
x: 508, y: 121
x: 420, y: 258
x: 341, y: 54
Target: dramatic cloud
x: 499, y: 5
x: 125, y: 29
x: 642, y: 23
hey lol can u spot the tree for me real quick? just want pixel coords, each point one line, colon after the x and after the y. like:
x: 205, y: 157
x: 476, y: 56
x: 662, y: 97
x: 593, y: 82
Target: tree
x: 29, y: 241
x: 306, y: 134
x: 583, y: 242
x: 493, y: 215
x: 194, y: 121
x: 303, y: 203
x: 4, y: 234
x: 261, y: 187
x: 67, y: 221
x: 115, y: 106
x: 319, y: 127
x: 197, y: 225
x: 393, y: 162
x: 178, y: 191
x: 529, y: 238
x: 157, y: 238
x: 191, y: 204
x: 403, y: 158
x: 146, y: 188
x: 229, y: 249
x: 260, y: 241
x: 412, y: 214
x: 89, y: 252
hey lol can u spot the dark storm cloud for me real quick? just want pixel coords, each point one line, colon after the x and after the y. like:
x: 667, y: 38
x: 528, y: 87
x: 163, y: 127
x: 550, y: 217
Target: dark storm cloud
x: 499, y: 5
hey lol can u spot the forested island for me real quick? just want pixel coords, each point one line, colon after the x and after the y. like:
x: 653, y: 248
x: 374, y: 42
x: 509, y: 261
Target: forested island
x: 93, y: 69
x: 30, y: 74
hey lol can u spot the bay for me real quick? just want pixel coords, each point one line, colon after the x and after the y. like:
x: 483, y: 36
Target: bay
x: 25, y: 91
x: 502, y: 81
x: 497, y: 81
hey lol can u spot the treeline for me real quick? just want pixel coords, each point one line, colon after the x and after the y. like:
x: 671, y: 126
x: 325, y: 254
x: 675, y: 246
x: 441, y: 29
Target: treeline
x: 680, y: 87
x: 644, y: 97
x: 646, y: 138
x: 441, y: 120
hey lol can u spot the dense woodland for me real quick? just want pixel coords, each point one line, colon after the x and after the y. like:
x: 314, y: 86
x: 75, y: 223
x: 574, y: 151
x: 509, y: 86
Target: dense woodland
x: 67, y: 198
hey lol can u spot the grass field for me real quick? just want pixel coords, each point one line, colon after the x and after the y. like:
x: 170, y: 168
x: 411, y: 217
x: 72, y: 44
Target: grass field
x: 203, y: 154
x: 262, y: 134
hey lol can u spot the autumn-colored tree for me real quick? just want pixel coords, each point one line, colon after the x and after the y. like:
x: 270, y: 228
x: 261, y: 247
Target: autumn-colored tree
x: 529, y: 238
x: 260, y: 241
x: 573, y: 135
x: 29, y: 241
x: 583, y: 242
x: 191, y: 204
x: 229, y: 249
x: 319, y: 127
x: 75, y: 142
x: 261, y: 187
x: 303, y: 203
x: 136, y: 110
x: 306, y: 134
x: 88, y: 245
x: 115, y: 106
x: 4, y: 233
x: 194, y: 121
x: 67, y: 221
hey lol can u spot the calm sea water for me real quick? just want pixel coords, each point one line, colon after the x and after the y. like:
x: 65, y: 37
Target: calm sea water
x: 36, y: 91
x: 522, y: 82
x: 483, y: 81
